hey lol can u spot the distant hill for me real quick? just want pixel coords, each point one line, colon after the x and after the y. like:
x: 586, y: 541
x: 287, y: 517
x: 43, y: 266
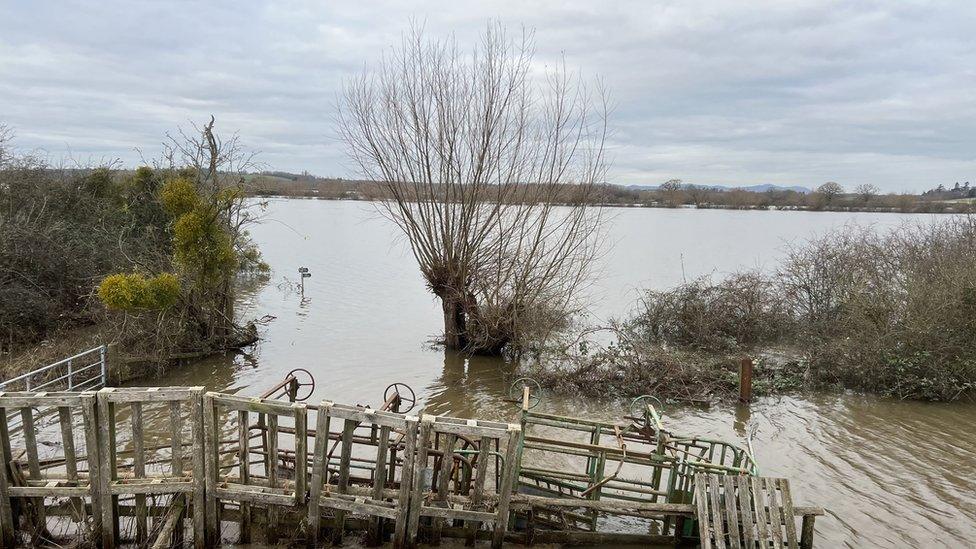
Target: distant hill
x: 752, y: 188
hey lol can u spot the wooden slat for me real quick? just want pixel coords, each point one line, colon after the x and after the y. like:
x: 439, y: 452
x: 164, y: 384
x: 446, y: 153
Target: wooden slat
x: 484, y: 447
x: 507, y: 486
x: 444, y: 481
x: 759, y: 507
x: 199, y: 468
x: 244, y: 458
x: 210, y: 459
x: 345, y: 454
x: 788, y: 517
x: 775, y: 521
x: 319, y: 473
x: 715, y: 502
x: 7, y: 531
x: 407, y: 472
x: 90, y: 421
x: 379, y: 477
x: 301, y: 452
x: 745, y: 506
x: 70, y: 458
x: 704, y: 518
x: 176, y: 469
x: 139, y: 468
x: 420, y: 464
x: 731, y: 513
x: 272, y: 474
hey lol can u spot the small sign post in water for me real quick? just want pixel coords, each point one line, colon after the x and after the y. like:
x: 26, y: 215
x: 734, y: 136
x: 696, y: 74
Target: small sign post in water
x: 303, y: 273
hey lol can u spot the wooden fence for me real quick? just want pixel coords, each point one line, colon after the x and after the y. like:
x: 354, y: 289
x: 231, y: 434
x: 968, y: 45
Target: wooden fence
x: 167, y: 467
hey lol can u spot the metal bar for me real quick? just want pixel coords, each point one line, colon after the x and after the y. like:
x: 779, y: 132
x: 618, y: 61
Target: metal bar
x: 27, y: 375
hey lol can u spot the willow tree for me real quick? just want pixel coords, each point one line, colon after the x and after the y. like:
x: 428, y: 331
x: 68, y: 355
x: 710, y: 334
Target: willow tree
x: 492, y: 169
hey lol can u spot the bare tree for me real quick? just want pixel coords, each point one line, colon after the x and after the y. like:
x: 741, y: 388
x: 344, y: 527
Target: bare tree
x: 829, y: 191
x: 6, y: 136
x: 671, y: 193
x: 492, y: 171
x: 698, y: 194
x: 866, y: 192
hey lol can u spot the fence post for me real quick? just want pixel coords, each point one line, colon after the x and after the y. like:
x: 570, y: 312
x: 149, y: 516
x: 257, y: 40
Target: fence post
x: 745, y: 380
x: 101, y: 356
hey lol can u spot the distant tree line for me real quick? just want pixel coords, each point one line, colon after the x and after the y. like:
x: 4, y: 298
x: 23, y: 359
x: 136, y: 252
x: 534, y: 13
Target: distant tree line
x: 830, y: 196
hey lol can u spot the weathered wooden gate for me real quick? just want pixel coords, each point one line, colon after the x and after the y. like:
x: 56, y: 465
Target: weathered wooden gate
x: 391, y: 462
x: 433, y: 475
x: 70, y: 472
x: 140, y: 469
x: 266, y: 489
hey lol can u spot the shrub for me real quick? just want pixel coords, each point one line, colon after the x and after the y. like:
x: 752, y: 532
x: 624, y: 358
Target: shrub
x: 179, y: 196
x: 893, y: 314
x: 134, y: 292
x: 740, y: 311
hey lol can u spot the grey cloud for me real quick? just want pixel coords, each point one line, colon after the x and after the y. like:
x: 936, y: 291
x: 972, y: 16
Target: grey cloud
x: 714, y: 92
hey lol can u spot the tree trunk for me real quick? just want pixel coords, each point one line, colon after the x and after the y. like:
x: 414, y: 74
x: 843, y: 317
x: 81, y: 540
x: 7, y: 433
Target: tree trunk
x: 454, y: 324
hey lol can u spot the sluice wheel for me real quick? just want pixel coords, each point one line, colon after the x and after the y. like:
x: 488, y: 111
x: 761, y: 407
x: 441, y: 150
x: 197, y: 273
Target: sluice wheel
x: 639, y: 405
x: 398, y: 389
x: 309, y: 383
x: 516, y: 390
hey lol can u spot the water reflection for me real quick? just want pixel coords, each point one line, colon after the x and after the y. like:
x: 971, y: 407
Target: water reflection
x: 470, y: 387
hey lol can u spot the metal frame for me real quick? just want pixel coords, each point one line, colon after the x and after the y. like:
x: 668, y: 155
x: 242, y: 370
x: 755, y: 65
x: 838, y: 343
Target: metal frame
x: 69, y: 377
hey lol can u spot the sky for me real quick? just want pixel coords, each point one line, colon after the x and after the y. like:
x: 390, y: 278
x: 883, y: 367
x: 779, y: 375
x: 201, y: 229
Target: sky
x: 713, y: 92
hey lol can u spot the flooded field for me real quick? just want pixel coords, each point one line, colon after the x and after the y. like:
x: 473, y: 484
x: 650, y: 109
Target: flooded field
x: 890, y: 473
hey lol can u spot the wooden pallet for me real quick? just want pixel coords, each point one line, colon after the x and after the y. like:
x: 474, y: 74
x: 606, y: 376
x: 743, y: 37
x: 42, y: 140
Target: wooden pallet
x: 744, y: 512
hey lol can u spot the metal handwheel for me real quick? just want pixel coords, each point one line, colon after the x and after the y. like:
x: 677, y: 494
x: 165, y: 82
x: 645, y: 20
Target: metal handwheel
x: 310, y: 383
x: 412, y: 400
x: 516, y: 390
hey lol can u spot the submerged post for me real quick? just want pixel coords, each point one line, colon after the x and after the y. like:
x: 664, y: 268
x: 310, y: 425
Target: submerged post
x: 745, y: 380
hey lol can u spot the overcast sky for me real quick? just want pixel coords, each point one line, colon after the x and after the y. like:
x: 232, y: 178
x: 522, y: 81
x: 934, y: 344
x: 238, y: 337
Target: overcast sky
x: 710, y: 91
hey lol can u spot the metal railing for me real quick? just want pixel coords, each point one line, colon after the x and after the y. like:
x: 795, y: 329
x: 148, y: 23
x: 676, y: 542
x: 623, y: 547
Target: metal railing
x: 84, y: 371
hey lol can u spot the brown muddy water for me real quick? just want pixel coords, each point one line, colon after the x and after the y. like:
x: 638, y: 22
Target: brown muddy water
x: 890, y: 473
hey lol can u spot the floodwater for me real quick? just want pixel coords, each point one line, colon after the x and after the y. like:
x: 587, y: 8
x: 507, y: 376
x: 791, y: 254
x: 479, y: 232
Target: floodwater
x: 890, y: 473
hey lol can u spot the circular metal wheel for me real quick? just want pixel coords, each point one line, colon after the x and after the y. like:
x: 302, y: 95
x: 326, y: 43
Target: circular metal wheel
x: 310, y: 383
x: 401, y: 389
x: 639, y: 405
x: 515, y: 391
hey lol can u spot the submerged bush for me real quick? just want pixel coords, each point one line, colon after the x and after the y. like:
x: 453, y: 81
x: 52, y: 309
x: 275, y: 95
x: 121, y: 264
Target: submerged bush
x: 893, y: 314
x: 740, y: 311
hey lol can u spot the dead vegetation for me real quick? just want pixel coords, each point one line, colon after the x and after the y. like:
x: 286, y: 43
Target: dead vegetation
x: 887, y: 313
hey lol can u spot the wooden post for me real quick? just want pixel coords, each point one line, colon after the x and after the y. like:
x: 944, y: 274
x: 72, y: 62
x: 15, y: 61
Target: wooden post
x: 745, y: 380
x: 508, y: 481
x: 320, y: 473
x: 209, y: 449
x: 7, y: 530
x: 139, y: 469
x: 400, y: 536
x: 89, y: 413
x: 106, y: 463
x: 806, y: 534
x: 201, y: 451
